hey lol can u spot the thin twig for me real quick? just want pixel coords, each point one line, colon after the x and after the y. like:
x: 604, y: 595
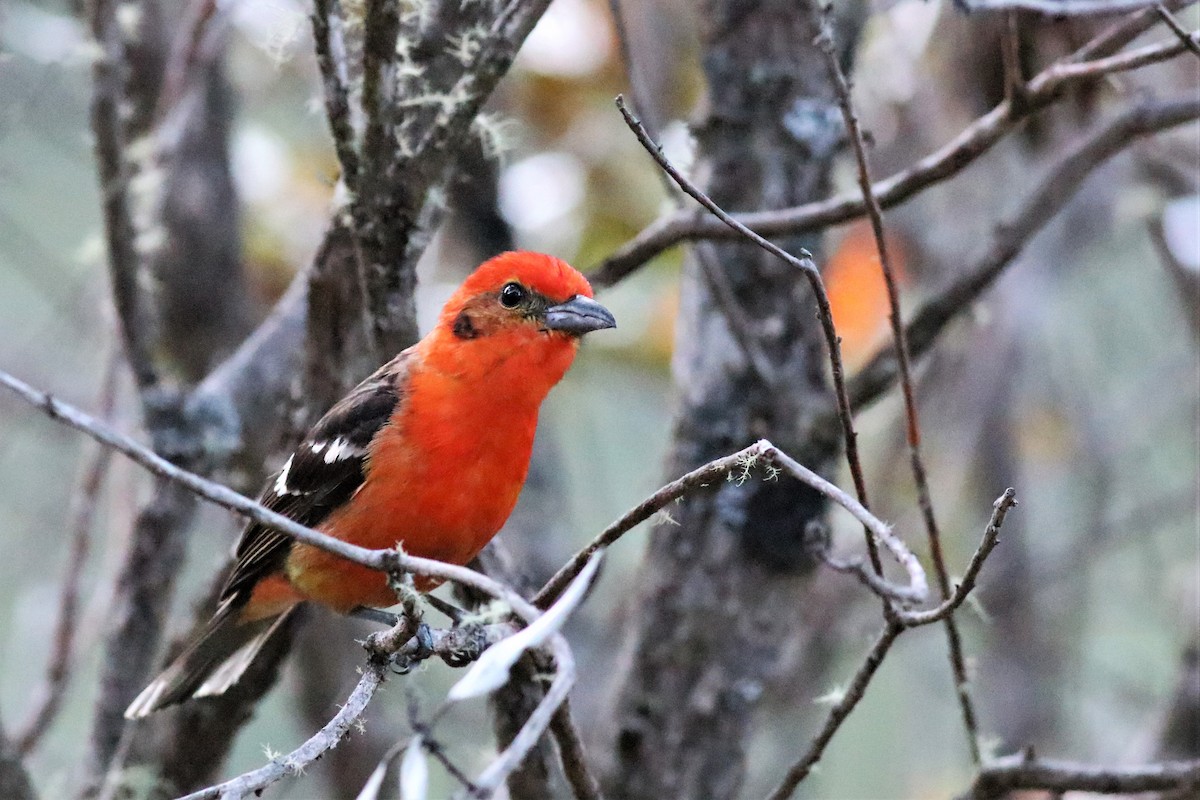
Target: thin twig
x: 295, y: 762
x: 1059, y: 8
x: 735, y: 316
x: 1056, y: 188
x: 1119, y: 34
x: 337, y: 104
x: 1188, y: 39
x: 991, y: 537
x: 1063, y: 73
x: 124, y: 261
x: 838, y: 712
x: 1010, y: 57
x: 896, y: 625
x: 900, y: 344
x: 493, y: 777
x: 1018, y: 772
x: 724, y: 469
x: 49, y: 695
x: 972, y: 142
x: 571, y: 753
x: 824, y: 312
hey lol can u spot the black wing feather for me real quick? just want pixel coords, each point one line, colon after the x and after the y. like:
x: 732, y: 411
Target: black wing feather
x: 324, y: 471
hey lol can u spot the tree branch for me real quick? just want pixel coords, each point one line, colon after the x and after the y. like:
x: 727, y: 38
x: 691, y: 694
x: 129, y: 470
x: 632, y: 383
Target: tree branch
x: 900, y: 349
x: 382, y: 560
x: 824, y: 313
x: 1047, y: 199
x: 1021, y: 771
x: 899, y: 622
x: 972, y: 142
x: 294, y: 763
x: 1059, y: 8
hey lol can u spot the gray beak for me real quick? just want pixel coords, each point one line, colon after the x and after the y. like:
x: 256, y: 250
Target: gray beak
x: 578, y: 316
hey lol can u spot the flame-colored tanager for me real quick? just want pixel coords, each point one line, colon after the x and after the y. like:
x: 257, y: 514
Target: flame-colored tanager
x: 430, y: 453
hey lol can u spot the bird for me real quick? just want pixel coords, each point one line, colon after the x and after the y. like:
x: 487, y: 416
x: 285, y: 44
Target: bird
x: 429, y: 453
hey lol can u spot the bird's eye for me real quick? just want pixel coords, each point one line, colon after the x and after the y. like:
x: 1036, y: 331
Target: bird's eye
x: 512, y: 295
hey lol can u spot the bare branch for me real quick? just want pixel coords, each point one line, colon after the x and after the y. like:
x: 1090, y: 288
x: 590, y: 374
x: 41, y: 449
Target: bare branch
x: 900, y: 340
x: 724, y: 469
x: 1119, y: 34
x: 1021, y: 771
x: 1188, y: 39
x: 838, y: 712
x: 571, y: 753
x: 899, y: 622
x: 1047, y: 199
x: 494, y: 775
x: 972, y: 142
x: 1059, y: 8
x: 337, y: 104
x: 124, y: 262
x: 991, y: 537
x: 294, y: 763
x: 382, y: 560
x: 824, y: 313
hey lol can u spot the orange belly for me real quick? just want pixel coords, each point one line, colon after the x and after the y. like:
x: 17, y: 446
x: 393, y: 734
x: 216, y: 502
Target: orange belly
x: 444, y: 505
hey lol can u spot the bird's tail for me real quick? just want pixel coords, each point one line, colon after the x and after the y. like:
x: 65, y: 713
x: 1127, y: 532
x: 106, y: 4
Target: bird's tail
x: 213, y: 662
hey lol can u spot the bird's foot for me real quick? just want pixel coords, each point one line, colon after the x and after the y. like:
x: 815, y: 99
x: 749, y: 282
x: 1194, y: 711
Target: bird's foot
x: 421, y: 648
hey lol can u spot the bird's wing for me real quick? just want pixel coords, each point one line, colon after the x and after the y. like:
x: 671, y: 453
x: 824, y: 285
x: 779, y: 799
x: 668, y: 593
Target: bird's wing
x: 324, y: 471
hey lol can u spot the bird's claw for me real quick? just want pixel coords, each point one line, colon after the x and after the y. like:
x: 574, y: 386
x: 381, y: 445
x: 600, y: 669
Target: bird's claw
x: 405, y: 662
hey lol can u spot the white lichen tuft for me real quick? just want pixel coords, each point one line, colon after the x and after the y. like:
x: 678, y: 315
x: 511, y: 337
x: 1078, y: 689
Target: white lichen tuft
x: 745, y: 465
x: 662, y: 516
x: 497, y: 134
x: 465, y: 46
x: 494, y: 611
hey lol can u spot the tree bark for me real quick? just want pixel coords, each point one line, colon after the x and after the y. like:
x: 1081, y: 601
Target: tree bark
x: 720, y: 581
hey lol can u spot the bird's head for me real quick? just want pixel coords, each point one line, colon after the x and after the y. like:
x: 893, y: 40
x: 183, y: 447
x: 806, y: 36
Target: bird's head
x: 524, y: 297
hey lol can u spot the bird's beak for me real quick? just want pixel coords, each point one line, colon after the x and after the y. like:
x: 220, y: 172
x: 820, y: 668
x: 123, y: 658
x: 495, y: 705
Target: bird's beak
x: 578, y: 316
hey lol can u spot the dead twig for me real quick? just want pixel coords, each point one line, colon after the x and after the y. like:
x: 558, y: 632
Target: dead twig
x: 734, y: 466
x: 824, y: 313
x: 382, y: 560
x: 899, y: 622
x: 294, y: 763
x: 1021, y: 771
x: 1188, y: 39
x: 571, y: 754
x: 1056, y: 188
x: 975, y: 140
x: 900, y: 341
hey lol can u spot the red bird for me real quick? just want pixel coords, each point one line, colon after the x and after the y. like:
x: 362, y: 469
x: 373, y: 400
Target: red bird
x: 429, y: 452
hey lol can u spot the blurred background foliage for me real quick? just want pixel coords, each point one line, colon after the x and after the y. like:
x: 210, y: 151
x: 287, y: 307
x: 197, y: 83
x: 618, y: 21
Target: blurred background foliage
x: 1075, y: 380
